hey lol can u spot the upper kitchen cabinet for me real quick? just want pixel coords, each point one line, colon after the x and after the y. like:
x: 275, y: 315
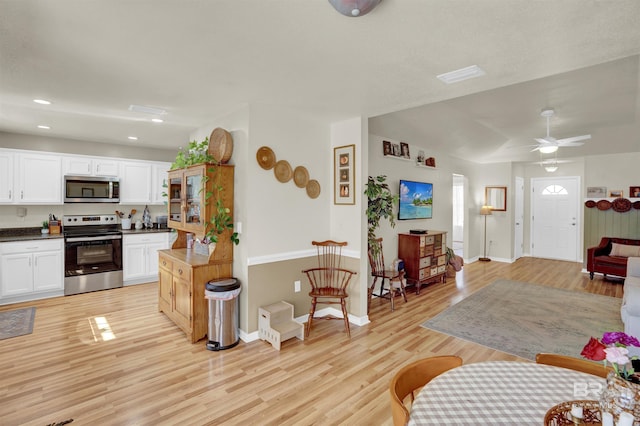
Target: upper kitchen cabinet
x: 88, y: 166
x: 6, y: 177
x: 135, y: 182
x: 38, y: 179
x: 159, y: 184
x: 143, y: 182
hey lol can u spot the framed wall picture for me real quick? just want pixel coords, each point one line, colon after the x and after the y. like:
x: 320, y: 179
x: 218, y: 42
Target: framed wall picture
x: 344, y: 178
x: 634, y: 191
x: 596, y: 192
x: 616, y: 193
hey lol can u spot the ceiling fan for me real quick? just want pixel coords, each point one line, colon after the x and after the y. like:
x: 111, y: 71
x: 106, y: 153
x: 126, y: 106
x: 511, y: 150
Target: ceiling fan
x: 549, y: 144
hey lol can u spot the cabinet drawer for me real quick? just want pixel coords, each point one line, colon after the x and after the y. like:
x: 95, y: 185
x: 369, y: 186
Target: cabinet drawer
x: 424, y: 273
x: 442, y: 269
x: 427, y: 250
x: 434, y: 271
x: 166, y: 263
x: 437, y: 251
x: 31, y: 246
x: 151, y: 237
x: 180, y: 270
x: 428, y: 239
x: 425, y: 262
x: 442, y: 260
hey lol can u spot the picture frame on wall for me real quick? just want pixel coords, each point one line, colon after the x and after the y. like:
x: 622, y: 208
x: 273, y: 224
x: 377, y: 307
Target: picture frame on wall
x: 386, y: 148
x: 596, y: 191
x: 634, y: 191
x: 344, y: 178
x: 616, y: 193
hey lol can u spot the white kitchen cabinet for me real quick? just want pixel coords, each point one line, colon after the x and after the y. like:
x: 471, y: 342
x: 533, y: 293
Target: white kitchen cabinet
x: 159, y: 182
x: 6, y: 177
x: 31, y: 267
x: 135, y: 182
x: 140, y: 256
x: 38, y: 178
x: 89, y: 166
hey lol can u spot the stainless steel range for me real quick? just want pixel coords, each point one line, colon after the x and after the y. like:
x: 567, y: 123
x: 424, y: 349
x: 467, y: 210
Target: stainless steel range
x: 92, y: 253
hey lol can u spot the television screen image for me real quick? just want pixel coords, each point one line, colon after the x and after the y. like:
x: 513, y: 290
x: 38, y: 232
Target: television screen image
x: 416, y: 200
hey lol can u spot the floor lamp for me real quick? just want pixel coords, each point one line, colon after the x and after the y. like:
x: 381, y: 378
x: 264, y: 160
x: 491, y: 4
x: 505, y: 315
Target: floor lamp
x: 485, y: 211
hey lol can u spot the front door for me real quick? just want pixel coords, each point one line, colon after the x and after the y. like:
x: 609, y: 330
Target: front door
x: 554, y: 207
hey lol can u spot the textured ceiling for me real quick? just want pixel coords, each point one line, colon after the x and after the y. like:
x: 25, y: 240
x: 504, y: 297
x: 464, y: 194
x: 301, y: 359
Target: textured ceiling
x: 199, y: 60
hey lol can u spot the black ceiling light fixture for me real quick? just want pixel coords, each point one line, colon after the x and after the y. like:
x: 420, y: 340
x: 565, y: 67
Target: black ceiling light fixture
x: 354, y: 8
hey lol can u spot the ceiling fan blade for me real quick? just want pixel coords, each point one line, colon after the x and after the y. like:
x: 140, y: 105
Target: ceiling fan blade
x: 536, y: 148
x: 567, y: 141
x: 543, y: 141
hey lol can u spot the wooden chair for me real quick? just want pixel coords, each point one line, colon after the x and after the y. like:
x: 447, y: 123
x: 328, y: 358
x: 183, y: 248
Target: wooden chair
x: 378, y: 270
x: 414, y: 376
x: 571, y: 363
x: 329, y: 280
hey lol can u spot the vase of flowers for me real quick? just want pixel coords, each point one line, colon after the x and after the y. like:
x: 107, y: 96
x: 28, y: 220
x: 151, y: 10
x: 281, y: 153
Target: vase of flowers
x: 622, y: 391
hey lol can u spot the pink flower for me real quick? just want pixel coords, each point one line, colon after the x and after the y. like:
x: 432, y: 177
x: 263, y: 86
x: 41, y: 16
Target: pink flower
x: 617, y: 355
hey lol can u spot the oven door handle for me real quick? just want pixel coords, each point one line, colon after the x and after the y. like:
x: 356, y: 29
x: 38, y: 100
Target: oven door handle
x: 101, y: 238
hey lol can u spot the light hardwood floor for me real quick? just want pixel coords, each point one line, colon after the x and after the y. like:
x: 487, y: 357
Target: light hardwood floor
x: 148, y: 374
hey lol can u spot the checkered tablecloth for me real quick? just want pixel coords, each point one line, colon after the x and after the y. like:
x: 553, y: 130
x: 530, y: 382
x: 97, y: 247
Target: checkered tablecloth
x: 500, y: 393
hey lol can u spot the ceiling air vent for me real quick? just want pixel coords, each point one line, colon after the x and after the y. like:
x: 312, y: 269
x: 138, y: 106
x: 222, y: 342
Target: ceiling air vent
x: 462, y: 74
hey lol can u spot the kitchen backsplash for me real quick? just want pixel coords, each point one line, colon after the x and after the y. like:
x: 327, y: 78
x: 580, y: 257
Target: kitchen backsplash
x: 36, y: 214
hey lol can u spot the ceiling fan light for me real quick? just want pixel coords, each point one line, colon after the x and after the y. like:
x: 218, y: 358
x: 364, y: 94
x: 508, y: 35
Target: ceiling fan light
x: 551, y: 169
x: 550, y: 149
x: 354, y: 8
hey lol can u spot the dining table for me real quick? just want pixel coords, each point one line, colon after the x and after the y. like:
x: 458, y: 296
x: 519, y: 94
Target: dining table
x: 500, y: 393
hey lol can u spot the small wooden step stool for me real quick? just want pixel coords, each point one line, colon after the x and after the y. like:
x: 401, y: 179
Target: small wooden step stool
x: 276, y: 324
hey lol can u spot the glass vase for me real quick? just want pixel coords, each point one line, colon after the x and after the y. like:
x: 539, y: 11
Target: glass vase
x: 621, y: 395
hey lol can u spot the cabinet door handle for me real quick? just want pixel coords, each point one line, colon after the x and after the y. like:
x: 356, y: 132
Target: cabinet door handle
x: 29, y: 261
x: 9, y: 194
x: 89, y: 168
x: 21, y: 194
x: 180, y: 271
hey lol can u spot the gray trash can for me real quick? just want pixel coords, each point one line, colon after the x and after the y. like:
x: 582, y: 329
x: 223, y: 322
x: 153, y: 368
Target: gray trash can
x: 223, y: 313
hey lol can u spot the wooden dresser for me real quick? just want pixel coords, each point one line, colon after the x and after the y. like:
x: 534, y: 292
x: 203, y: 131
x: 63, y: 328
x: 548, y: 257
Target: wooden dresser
x: 424, y: 256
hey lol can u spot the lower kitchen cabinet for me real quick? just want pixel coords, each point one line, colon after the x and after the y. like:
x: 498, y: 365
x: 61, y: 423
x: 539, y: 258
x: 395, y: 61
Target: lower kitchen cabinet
x: 140, y: 256
x: 31, y: 267
x: 182, y: 277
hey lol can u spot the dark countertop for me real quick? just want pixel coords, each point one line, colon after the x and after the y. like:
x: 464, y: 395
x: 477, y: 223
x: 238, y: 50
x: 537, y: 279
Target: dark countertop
x: 26, y: 234
x: 133, y: 231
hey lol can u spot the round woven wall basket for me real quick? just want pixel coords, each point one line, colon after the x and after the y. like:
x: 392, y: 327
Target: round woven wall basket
x: 221, y: 145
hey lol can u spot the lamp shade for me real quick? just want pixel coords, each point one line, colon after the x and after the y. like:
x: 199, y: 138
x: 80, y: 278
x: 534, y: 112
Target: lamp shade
x: 354, y: 8
x: 485, y: 210
x: 548, y: 149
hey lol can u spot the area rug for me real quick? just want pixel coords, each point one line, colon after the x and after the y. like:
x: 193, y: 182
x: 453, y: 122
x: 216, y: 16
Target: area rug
x: 17, y: 322
x: 524, y: 319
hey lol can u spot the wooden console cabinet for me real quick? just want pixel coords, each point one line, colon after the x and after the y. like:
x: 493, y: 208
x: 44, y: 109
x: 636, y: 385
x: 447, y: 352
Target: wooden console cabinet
x: 183, y: 273
x: 424, y: 256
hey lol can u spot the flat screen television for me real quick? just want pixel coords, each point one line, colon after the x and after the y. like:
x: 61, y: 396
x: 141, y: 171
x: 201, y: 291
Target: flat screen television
x: 416, y: 200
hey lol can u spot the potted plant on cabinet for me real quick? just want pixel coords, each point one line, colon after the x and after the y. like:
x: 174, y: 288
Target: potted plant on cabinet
x: 45, y: 227
x: 380, y: 205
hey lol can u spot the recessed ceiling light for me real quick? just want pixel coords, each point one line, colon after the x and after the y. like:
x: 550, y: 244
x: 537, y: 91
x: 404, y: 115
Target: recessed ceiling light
x: 42, y: 126
x: 157, y: 120
x: 132, y: 138
x: 42, y: 101
x: 461, y: 74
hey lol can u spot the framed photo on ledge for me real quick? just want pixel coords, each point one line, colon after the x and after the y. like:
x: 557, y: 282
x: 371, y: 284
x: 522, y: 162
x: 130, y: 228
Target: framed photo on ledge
x: 344, y: 178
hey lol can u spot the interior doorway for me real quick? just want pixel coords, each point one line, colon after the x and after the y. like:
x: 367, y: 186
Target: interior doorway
x: 555, y: 219
x: 457, y: 234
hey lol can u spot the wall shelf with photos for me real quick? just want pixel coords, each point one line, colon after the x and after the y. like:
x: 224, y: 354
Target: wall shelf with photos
x: 402, y: 151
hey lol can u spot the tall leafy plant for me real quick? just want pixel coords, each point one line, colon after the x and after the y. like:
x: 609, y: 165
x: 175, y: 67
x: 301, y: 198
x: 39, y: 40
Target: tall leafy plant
x: 380, y: 205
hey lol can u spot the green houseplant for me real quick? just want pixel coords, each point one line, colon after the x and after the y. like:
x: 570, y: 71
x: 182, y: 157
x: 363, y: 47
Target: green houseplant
x: 380, y: 205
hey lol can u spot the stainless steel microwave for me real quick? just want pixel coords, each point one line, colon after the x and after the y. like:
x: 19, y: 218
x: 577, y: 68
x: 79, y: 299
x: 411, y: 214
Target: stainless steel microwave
x: 89, y: 189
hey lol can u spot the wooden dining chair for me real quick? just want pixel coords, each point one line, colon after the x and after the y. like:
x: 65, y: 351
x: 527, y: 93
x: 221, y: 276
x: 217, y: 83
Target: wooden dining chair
x: 394, y: 278
x: 572, y: 363
x: 414, y: 376
x: 329, y: 281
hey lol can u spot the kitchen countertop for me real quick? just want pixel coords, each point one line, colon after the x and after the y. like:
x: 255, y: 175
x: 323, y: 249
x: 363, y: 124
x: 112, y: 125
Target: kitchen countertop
x: 26, y: 234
